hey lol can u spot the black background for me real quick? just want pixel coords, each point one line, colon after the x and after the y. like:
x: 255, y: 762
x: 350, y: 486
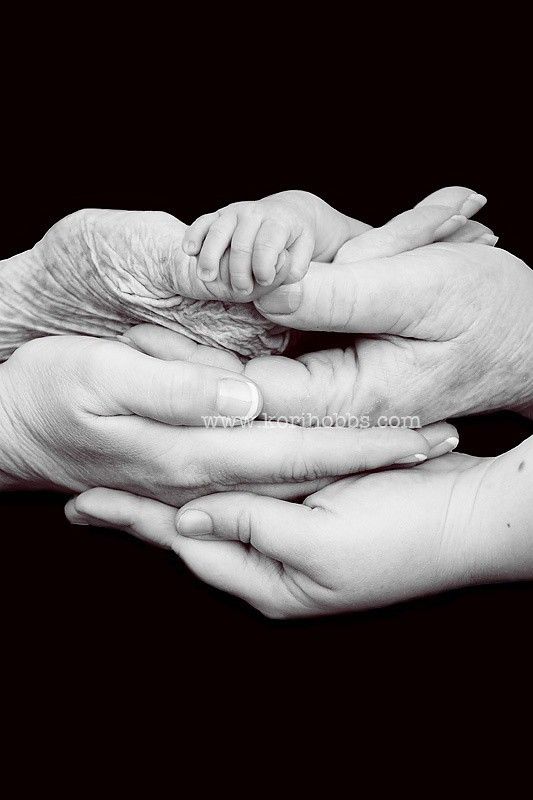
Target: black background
x: 100, y: 625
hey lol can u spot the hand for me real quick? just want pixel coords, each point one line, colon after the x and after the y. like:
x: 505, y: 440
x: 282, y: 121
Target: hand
x: 362, y: 542
x: 325, y: 386
x: 274, y: 239
x: 271, y: 240
x: 77, y: 412
x: 450, y: 333
x: 98, y: 272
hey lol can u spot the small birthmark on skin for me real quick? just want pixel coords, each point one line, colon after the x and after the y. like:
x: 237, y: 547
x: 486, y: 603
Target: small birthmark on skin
x: 508, y: 524
x: 521, y: 466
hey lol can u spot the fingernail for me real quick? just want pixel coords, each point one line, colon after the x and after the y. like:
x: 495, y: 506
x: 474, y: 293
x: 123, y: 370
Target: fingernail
x: 190, y: 248
x: 444, y: 447
x: 242, y: 286
x: 238, y: 399
x: 450, y: 226
x: 284, y: 300
x: 417, y: 458
x: 194, y: 523
x: 205, y: 274
x: 488, y: 239
x: 472, y: 204
x: 79, y: 519
x: 269, y: 280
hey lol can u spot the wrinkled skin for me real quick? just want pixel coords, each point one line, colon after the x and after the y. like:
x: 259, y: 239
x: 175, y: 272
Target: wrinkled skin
x: 99, y: 271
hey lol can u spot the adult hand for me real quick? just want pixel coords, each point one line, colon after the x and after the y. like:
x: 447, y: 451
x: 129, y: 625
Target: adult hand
x: 448, y: 327
x: 77, y: 412
x: 429, y: 371
x: 97, y: 272
x: 362, y: 542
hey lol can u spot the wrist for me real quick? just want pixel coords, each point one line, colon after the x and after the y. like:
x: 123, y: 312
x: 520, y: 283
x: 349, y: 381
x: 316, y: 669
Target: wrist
x: 10, y: 479
x: 503, y: 516
x: 331, y: 228
x: 17, y: 301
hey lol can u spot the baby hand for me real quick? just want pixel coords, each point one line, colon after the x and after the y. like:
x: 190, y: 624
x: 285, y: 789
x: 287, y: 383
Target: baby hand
x: 270, y: 240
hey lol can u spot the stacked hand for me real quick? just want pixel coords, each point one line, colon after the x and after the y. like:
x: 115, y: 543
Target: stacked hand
x: 369, y: 539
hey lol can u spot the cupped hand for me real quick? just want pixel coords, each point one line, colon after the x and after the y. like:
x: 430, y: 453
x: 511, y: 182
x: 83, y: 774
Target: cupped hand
x: 362, y: 542
x: 78, y: 412
x: 435, y: 358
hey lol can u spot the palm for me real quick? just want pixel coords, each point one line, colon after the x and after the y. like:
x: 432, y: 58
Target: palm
x: 388, y: 532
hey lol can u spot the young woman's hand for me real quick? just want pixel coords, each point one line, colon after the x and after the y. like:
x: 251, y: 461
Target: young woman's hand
x: 361, y: 542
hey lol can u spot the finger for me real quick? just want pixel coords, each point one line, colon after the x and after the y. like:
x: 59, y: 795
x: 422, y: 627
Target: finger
x: 441, y: 437
x: 459, y: 198
x: 240, y: 260
x: 473, y: 232
x: 414, y: 228
x: 272, y: 452
x: 142, y: 517
x: 228, y: 566
x: 285, y: 532
x: 270, y: 241
x: 300, y: 253
x: 216, y: 242
x: 169, y: 345
x: 175, y: 392
x: 194, y: 236
x: 385, y: 295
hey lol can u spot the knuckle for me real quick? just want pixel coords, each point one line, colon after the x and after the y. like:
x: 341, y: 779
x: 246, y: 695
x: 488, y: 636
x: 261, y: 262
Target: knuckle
x: 218, y: 231
x: 241, y: 248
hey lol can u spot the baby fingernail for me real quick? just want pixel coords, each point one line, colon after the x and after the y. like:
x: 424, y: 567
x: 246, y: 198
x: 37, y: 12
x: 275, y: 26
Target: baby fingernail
x: 284, y: 300
x: 238, y: 399
x: 194, y: 523
x: 242, y: 285
x: 472, y: 204
x: 417, y: 458
x: 267, y: 280
x: 189, y: 247
x: 445, y: 447
x: 205, y: 274
x: 450, y: 226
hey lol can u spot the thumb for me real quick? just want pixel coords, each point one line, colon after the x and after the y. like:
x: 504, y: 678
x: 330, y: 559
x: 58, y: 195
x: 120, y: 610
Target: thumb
x: 174, y: 392
x: 286, y: 532
x: 382, y: 295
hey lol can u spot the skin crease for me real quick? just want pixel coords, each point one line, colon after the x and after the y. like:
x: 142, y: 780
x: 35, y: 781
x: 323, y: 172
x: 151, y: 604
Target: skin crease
x: 85, y: 276
x: 98, y: 272
x: 339, y: 551
x: 129, y: 420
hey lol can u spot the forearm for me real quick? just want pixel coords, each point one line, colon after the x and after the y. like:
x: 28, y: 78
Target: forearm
x: 33, y: 303
x: 504, y: 509
x: 332, y: 228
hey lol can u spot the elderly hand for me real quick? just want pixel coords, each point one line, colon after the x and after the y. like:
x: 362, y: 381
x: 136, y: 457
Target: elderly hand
x: 77, y: 412
x: 450, y: 357
x: 97, y: 272
x: 362, y: 542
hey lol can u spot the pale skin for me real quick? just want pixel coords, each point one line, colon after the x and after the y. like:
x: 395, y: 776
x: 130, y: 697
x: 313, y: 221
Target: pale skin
x: 271, y: 242
x: 127, y: 420
x: 458, y: 520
